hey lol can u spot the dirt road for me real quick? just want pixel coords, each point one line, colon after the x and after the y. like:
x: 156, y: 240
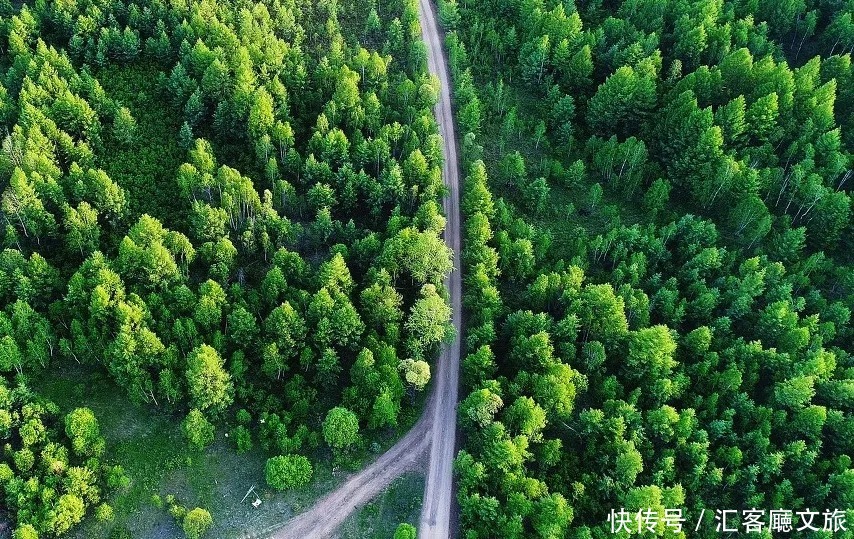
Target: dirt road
x: 330, y: 512
x: 438, y: 489
x: 433, y: 436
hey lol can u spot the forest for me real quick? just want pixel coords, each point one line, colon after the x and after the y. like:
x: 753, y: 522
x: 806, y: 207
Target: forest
x: 657, y: 264
x: 230, y: 209
x: 229, y: 213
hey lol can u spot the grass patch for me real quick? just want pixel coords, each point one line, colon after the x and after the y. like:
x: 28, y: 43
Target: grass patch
x: 148, y: 443
x: 150, y: 446
x: 401, y: 502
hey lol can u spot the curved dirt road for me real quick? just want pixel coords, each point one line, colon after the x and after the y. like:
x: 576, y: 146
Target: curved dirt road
x: 330, y: 512
x: 434, y: 433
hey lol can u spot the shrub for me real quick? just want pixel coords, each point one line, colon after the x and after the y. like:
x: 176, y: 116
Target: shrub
x: 198, y: 430
x: 405, y: 531
x: 197, y: 522
x: 117, y: 478
x: 288, y: 472
x: 104, y: 513
x: 242, y: 439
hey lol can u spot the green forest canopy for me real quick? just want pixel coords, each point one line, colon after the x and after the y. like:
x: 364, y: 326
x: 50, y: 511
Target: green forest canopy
x: 657, y: 261
x: 230, y: 207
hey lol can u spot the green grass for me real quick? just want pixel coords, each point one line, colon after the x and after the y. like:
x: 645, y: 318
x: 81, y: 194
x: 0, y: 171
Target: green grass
x: 150, y: 446
x: 148, y: 443
x: 401, y: 502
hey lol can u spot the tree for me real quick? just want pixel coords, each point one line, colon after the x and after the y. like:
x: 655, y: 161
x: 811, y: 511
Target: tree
x: 104, y: 513
x: 261, y: 117
x: 656, y: 197
x: 207, y: 381
x: 242, y: 438
x: 513, y: 170
x: 242, y: 327
x: 96, y: 187
x: 629, y: 464
x: 577, y: 72
x: 340, y: 428
x: 328, y: 368
x: 196, y: 523
x: 145, y: 255
x: 81, y: 224
x: 831, y: 214
x: 535, y: 351
x: 761, y: 117
x: 288, y: 331
x: 602, y: 313
x: 750, y: 219
x: 561, y: 119
x: 476, y: 197
x: 25, y: 209
x: 185, y: 136
x: 555, y: 390
x: 68, y: 511
x: 533, y: 57
x: 795, y: 393
x: 429, y: 320
x: 381, y: 307
x: 10, y: 355
x: 594, y: 196
x: 320, y: 196
x: 478, y: 366
x: 221, y: 255
x: 385, y: 410
x: 731, y: 119
x: 194, y: 109
x: 82, y: 428
x: 536, y: 195
x: 621, y: 102
x: 287, y: 472
x: 207, y: 223
x: 416, y: 372
x: 26, y: 531
x: 211, y: 300
x: 650, y: 360
x: 552, y: 516
x: 422, y: 254
x: 621, y: 164
x: 373, y: 23
x: 527, y: 417
x: 405, y: 531
x: 124, y: 126
x: 480, y: 407
x: 198, y: 430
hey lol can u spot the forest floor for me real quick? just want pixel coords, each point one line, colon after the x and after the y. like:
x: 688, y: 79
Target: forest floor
x: 401, y: 502
x: 150, y: 446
